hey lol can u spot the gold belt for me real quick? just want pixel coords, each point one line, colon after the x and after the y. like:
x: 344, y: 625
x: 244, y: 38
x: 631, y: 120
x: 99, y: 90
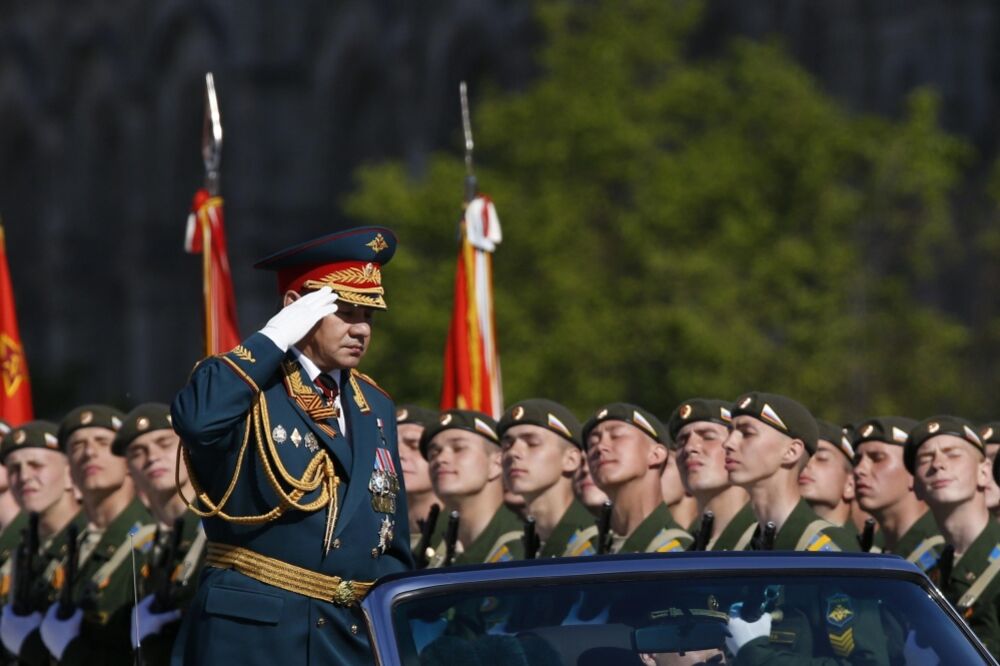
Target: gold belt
x: 286, y: 576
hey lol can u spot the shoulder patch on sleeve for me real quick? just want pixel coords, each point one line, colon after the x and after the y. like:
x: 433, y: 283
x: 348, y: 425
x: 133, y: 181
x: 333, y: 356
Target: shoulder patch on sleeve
x: 368, y: 380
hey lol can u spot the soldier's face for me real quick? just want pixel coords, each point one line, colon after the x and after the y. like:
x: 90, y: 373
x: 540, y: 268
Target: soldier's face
x: 340, y: 340
x: 586, y: 490
x: 755, y: 451
x: 462, y: 464
x: 619, y: 453
x: 880, y: 477
x: 826, y: 479
x: 38, y: 478
x: 670, y: 482
x: 992, y: 490
x: 93, y: 466
x: 536, y: 459
x: 152, y: 462
x: 950, y: 471
x: 701, y: 460
x: 416, y: 472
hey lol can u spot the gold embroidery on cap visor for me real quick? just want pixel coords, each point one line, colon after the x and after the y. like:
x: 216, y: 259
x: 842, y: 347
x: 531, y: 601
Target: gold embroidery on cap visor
x: 350, y: 285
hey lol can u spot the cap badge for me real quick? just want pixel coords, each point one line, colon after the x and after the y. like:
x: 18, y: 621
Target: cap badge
x: 142, y: 423
x: 971, y: 435
x: 746, y: 402
x: 116, y: 423
x: 484, y: 429
x: 51, y: 441
x: 685, y: 411
x: 845, y: 444
x: 899, y: 435
x: 933, y: 427
x: 602, y: 414
x: 377, y: 244
x: 86, y: 417
x: 771, y: 416
x: 641, y: 421
x: 4, y: 429
x: 446, y: 419
x: 726, y: 415
x: 867, y: 430
x: 402, y: 414
x: 987, y: 433
x: 20, y: 436
x: 170, y: 419
x: 518, y: 413
x: 556, y: 424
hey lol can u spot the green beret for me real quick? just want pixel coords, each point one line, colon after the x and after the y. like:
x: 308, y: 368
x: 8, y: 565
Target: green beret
x: 698, y: 409
x: 990, y: 432
x: 31, y: 435
x: 888, y: 429
x: 544, y: 414
x: 144, y: 418
x: 89, y: 416
x: 939, y: 425
x: 783, y: 414
x: 836, y: 435
x: 416, y: 415
x: 460, y: 419
x: 631, y: 414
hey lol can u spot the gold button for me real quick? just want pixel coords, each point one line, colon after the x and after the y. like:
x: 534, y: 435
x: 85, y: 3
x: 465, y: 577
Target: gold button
x: 336, y: 543
x: 320, y: 622
x: 354, y: 629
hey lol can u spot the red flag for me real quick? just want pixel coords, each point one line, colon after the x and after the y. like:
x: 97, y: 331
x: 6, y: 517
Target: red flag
x: 15, y: 399
x: 206, y: 235
x: 471, y: 360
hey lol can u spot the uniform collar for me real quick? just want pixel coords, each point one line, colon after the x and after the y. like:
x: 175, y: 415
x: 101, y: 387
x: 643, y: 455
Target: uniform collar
x: 310, y: 367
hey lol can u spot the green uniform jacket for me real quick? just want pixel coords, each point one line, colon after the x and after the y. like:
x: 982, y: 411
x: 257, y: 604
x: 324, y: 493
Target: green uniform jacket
x: 804, y: 530
x: 10, y: 537
x: 973, y: 587
x: 922, y: 544
x: 499, y: 542
x: 105, y: 593
x: 574, y: 535
x: 658, y: 533
x: 736, y: 535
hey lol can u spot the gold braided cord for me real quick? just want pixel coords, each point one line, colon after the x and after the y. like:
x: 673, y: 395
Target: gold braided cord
x: 351, y: 276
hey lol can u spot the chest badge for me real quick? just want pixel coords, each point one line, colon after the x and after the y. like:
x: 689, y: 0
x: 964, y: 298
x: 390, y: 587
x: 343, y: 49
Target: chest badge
x: 311, y: 442
x: 384, y: 482
x: 385, y: 533
x: 279, y: 435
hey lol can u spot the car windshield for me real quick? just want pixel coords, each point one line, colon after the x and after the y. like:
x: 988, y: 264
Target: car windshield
x: 665, y: 620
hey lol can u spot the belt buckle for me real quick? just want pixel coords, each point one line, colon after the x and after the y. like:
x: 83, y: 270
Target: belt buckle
x: 343, y: 594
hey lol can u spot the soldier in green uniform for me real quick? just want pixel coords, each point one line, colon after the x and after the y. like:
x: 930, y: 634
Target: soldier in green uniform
x: 463, y: 450
x: 411, y: 420
x: 827, y: 481
x: 682, y: 505
x: 626, y: 451
x: 769, y: 445
x: 990, y: 434
x: 150, y: 446
x: 40, y: 483
x: 885, y: 490
x: 948, y: 461
x: 103, y: 589
x: 699, y: 427
x: 12, y: 519
x: 586, y: 491
x: 540, y: 440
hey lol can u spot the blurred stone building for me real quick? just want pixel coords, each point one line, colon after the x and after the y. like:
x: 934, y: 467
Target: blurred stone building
x: 100, y: 124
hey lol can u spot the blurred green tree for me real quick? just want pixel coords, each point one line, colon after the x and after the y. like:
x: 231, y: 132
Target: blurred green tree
x: 678, y: 226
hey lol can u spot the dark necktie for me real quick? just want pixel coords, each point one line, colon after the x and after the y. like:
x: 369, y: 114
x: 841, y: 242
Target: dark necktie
x: 328, y: 386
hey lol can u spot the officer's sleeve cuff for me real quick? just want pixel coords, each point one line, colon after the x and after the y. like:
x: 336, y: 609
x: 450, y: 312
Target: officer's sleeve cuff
x: 254, y: 360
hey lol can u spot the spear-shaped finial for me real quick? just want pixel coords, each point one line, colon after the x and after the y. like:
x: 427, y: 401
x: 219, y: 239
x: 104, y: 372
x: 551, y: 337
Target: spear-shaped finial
x: 470, y: 175
x: 211, y: 137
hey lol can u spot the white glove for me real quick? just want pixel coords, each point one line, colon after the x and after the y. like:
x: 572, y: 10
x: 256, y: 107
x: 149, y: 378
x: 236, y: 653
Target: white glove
x: 56, y: 633
x: 15, y: 628
x: 298, y: 317
x: 914, y: 654
x: 740, y: 632
x: 149, y: 622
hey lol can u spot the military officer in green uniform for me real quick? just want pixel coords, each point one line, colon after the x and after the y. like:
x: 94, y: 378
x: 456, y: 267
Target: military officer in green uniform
x: 884, y: 488
x: 169, y: 570
x: 411, y: 420
x: 827, y: 481
x: 627, y: 451
x: 292, y: 452
x: 699, y: 427
x: 950, y: 470
x: 38, y: 472
x: 769, y: 445
x: 990, y: 434
x: 117, y: 522
x: 540, y: 440
x: 463, y: 451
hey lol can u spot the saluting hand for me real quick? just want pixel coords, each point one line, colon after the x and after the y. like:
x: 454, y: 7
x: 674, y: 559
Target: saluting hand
x: 296, y: 319
x: 739, y: 632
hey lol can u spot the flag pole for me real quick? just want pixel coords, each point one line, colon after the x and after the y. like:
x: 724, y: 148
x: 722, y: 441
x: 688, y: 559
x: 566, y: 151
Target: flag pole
x: 211, y: 137
x: 471, y: 186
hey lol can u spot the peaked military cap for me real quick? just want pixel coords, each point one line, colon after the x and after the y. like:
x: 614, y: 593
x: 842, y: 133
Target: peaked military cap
x: 144, y: 418
x: 416, y: 415
x: 31, y: 435
x: 349, y: 262
x: 631, y: 414
x: 939, y: 425
x: 990, y: 432
x: 543, y: 413
x: 698, y: 409
x: 783, y: 414
x: 460, y: 419
x: 836, y: 435
x: 89, y: 416
x: 888, y: 429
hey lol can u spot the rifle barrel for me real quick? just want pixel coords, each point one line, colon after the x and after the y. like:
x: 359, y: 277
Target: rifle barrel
x: 451, y: 539
x: 604, y: 529
x: 426, y: 531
